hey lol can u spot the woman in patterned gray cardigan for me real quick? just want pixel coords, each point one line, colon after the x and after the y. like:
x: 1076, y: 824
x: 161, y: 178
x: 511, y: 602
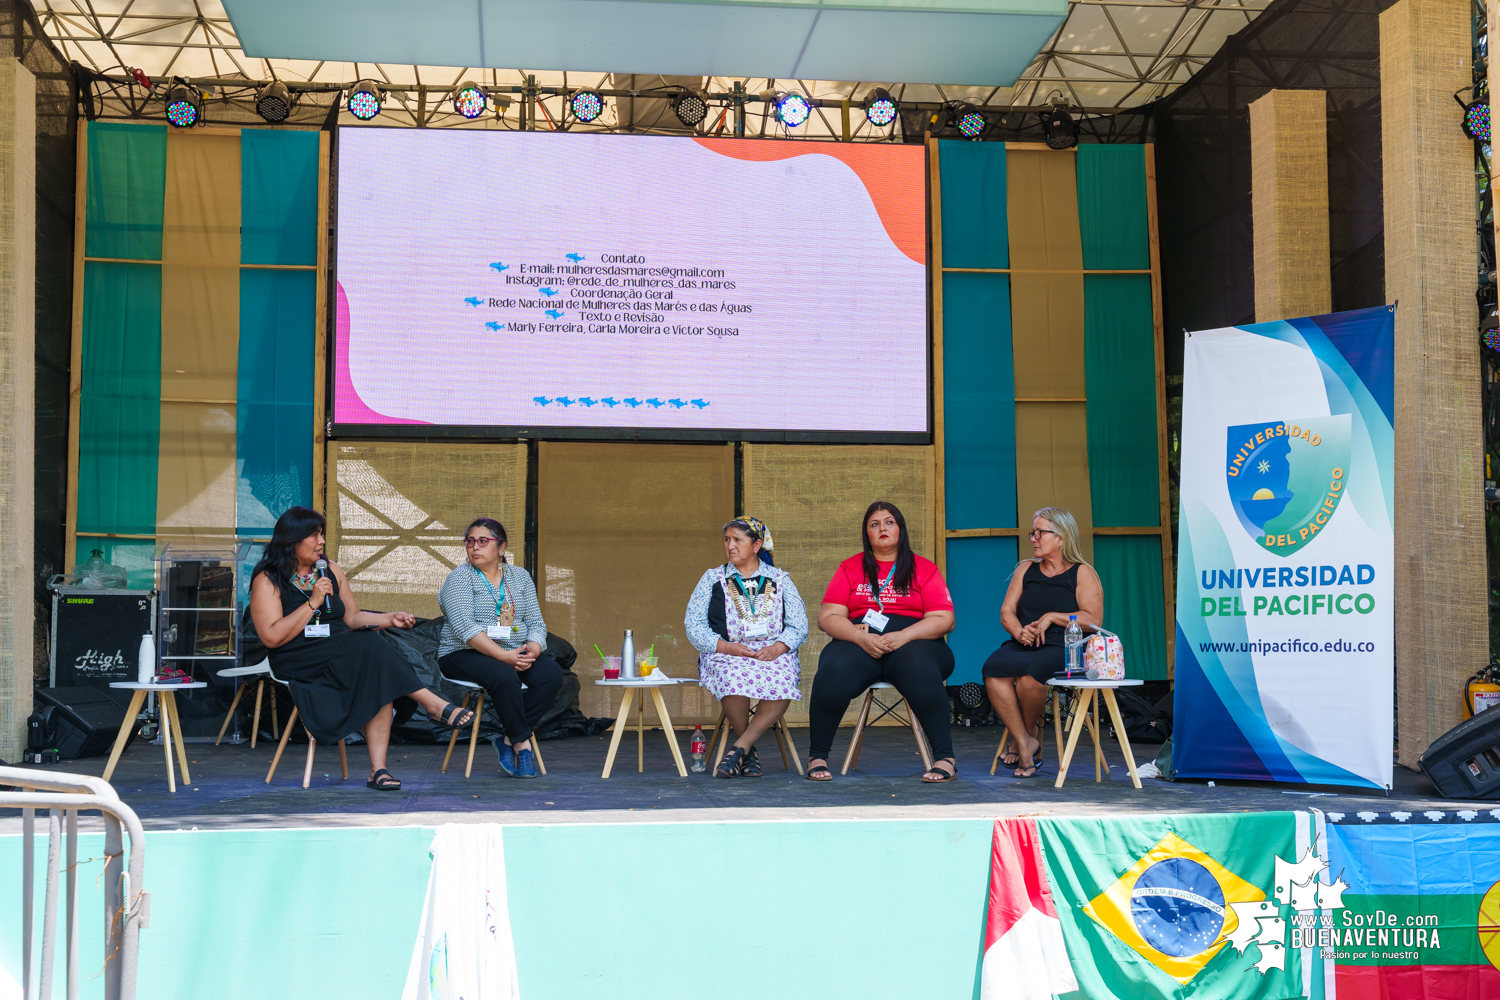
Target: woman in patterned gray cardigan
x: 494, y: 636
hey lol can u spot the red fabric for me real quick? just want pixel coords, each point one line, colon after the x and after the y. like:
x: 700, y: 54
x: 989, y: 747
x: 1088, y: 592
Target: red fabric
x: 1018, y: 882
x: 1417, y: 982
x: 851, y: 588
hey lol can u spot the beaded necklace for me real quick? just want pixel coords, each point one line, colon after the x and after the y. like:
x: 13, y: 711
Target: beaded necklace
x: 304, y: 581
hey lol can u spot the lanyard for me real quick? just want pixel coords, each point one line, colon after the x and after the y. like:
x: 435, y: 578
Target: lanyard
x: 739, y: 583
x: 876, y: 595
x: 499, y: 600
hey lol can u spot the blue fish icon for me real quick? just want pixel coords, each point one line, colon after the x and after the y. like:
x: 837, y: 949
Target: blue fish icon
x: 549, y: 292
x: 499, y: 267
x: 492, y: 325
x: 555, y: 313
x: 610, y: 402
x: 631, y: 402
x: 677, y: 403
x: 564, y: 400
x: 471, y: 300
x: 540, y: 400
x: 576, y: 258
x: 587, y: 400
x: 701, y: 404
x: 655, y: 403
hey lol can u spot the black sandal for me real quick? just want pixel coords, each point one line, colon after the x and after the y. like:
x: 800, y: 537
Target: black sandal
x: 942, y: 776
x: 816, y: 769
x: 730, y: 766
x: 453, y: 717
x: 389, y: 783
x: 750, y: 768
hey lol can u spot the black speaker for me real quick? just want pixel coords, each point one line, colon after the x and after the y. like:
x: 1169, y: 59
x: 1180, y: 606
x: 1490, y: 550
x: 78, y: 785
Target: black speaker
x: 1464, y: 763
x: 80, y: 721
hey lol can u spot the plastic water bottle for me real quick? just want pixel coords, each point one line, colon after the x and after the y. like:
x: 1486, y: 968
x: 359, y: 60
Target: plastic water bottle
x: 1073, y: 640
x: 699, y: 747
x: 145, y: 667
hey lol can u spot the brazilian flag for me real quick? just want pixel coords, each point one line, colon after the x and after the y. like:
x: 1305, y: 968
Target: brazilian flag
x: 1153, y: 907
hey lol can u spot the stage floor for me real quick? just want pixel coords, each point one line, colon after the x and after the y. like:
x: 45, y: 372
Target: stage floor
x: 229, y: 790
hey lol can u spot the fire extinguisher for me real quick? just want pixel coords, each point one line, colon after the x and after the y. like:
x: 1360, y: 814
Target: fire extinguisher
x: 1482, y: 691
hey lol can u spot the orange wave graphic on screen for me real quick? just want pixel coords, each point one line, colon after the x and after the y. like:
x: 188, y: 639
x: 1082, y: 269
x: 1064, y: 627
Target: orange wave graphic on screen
x: 891, y: 174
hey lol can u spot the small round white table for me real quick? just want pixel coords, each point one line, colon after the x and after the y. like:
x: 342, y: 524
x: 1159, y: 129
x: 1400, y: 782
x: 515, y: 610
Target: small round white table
x: 1088, y: 702
x: 631, y: 686
x: 171, y: 728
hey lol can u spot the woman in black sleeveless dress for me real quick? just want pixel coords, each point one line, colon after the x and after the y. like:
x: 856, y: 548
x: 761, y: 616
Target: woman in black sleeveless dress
x: 1044, y: 591
x: 343, y: 676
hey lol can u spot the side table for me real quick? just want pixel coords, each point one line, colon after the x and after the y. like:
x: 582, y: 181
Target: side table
x: 1089, y: 693
x: 171, y: 728
x: 631, y: 686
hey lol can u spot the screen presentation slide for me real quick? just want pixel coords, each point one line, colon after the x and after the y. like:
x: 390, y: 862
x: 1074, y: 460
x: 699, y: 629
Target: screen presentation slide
x: 525, y: 279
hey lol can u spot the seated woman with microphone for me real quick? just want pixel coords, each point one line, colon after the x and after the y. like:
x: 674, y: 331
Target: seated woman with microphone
x: 494, y: 636
x: 1044, y: 591
x: 343, y: 677
x: 886, y: 610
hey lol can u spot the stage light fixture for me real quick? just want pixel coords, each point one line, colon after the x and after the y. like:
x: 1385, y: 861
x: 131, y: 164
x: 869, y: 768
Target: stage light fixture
x: 1477, y: 121
x: 274, y: 102
x: 689, y: 108
x: 586, y: 105
x: 880, y: 108
x: 365, y: 100
x: 792, y: 109
x: 969, y: 121
x: 470, y: 100
x: 1061, y: 129
x: 184, y: 106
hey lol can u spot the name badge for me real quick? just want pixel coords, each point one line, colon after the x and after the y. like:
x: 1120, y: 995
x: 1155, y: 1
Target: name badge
x: 876, y: 620
x: 502, y: 631
x: 319, y: 631
x: 757, y: 630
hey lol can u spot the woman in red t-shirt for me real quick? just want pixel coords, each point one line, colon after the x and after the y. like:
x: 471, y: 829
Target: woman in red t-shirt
x: 886, y: 610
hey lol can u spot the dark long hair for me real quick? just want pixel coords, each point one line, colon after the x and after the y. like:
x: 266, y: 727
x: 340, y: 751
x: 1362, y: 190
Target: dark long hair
x: 906, y: 562
x: 279, y: 561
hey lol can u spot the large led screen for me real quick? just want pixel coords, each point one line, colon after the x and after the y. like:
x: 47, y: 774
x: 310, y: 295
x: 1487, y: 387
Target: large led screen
x: 491, y: 279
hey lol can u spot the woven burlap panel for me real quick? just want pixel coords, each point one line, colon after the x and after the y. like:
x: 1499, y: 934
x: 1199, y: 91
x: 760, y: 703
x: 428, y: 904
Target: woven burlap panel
x: 17, y: 398
x: 1289, y: 196
x: 1442, y: 622
x: 624, y: 531
x: 397, y: 513
x: 196, y: 480
x: 813, y: 497
x: 1046, y: 259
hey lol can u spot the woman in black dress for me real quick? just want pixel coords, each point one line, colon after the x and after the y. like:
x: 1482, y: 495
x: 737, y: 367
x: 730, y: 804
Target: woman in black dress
x: 1044, y: 592
x: 342, y: 675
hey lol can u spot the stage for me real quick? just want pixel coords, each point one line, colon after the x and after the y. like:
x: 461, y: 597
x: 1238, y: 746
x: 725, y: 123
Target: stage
x: 229, y: 790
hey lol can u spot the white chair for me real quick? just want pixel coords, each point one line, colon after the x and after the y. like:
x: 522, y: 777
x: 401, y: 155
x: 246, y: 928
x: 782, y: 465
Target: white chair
x: 779, y: 732
x: 894, y: 708
x: 469, y: 688
x: 261, y: 672
x: 311, y: 743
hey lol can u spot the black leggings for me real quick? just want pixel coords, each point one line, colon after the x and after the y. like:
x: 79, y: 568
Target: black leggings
x: 918, y: 670
x: 518, y: 710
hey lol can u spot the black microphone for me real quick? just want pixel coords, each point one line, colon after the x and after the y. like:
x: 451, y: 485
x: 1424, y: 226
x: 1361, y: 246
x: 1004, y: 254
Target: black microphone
x: 322, y: 567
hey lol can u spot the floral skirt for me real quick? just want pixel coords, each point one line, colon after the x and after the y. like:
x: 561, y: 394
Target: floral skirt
x: 766, y: 680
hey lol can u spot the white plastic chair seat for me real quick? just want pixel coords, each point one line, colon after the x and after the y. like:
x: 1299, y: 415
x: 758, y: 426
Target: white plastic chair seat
x: 260, y: 671
x: 469, y: 687
x: 261, y: 668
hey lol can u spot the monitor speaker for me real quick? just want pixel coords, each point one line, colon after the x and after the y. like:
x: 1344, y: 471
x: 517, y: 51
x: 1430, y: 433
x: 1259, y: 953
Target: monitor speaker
x: 79, y: 721
x: 1464, y: 763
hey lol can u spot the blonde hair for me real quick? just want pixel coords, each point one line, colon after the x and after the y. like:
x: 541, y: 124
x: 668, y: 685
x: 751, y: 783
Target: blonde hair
x: 1067, y: 532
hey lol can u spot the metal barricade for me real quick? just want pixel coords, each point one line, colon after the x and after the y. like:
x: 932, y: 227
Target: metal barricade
x: 126, y: 904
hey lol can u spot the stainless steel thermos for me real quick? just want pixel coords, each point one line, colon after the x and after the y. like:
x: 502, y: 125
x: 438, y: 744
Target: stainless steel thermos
x: 627, y: 656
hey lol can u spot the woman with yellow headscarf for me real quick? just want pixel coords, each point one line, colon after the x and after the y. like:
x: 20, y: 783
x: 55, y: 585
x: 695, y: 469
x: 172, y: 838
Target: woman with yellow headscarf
x: 747, y: 620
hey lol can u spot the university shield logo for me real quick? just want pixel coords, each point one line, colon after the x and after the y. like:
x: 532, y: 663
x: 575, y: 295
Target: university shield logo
x: 1175, y: 907
x: 1287, y: 478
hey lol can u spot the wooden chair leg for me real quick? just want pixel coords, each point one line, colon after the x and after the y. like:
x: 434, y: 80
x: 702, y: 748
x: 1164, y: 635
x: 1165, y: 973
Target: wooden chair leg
x: 852, y: 756
x: 473, y: 734
x: 923, y: 747
x: 238, y: 692
x: 312, y: 745
x: 260, y: 690
x: 1004, y: 739
x: 343, y: 760
x: 719, y: 740
x: 777, y: 732
x: 536, y: 748
x: 453, y: 736
x: 281, y: 747
x: 786, y: 734
x: 272, y: 689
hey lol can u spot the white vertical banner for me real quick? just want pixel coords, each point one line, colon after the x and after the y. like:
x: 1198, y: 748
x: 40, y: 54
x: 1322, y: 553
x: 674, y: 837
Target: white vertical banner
x: 1285, y: 625
x: 464, y: 949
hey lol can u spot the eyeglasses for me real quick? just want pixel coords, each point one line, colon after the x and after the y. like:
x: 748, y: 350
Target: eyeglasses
x: 478, y: 542
x: 1039, y: 532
